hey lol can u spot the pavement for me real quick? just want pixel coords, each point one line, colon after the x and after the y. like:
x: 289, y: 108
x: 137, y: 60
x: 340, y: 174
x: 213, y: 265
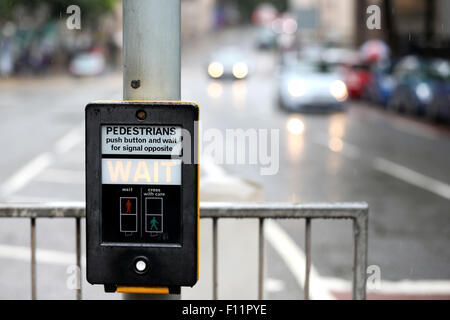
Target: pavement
x: 398, y: 165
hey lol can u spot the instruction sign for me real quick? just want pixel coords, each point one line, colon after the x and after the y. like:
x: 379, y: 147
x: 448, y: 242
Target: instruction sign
x: 141, y: 164
x: 149, y: 140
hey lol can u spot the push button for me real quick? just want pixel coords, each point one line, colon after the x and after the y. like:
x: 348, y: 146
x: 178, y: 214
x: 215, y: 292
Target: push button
x: 141, y: 265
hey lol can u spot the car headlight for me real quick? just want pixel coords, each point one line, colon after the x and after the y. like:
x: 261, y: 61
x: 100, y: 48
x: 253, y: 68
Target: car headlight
x: 338, y: 90
x: 423, y: 92
x: 215, y: 69
x: 240, y: 70
x: 296, y: 88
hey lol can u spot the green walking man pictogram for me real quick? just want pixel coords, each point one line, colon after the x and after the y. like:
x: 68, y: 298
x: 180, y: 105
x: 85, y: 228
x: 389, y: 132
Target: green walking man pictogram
x: 154, y: 224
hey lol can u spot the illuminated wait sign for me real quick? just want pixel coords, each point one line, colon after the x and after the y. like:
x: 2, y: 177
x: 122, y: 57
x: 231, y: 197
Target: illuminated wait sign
x: 141, y: 171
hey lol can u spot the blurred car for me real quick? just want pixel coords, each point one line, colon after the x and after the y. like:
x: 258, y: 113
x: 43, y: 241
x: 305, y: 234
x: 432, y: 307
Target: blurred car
x: 310, y: 86
x: 439, y: 108
x: 415, y: 84
x: 381, y: 85
x: 357, y: 76
x: 90, y: 63
x: 338, y: 56
x: 266, y: 38
x: 374, y: 51
x: 264, y: 14
x: 228, y: 63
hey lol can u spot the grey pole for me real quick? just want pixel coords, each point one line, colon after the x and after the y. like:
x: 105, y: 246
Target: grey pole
x: 151, y: 62
x: 152, y: 50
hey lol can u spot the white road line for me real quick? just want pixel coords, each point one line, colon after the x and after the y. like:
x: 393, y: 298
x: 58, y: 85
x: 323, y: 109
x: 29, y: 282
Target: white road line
x: 406, y: 287
x: 321, y: 287
x: 27, y: 198
x: 217, y: 185
x: 294, y: 257
x: 26, y: 174
x: 295, y: 260
x: 71, y: 139
x: 274, y: 285
x: 62, y: 176
x: 394, y: 170
x: 43, y: 256
x: 412, y: 177
x: 425, y: 287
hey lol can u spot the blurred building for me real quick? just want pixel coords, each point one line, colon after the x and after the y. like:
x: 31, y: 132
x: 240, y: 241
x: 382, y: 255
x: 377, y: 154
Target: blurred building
x: 326, y: 20
x: 404, y: 23
x: 197, y: 17
x: 418, y: 26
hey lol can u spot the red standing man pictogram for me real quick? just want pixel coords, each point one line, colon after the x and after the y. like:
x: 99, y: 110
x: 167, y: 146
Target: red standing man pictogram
x: 128, y: 206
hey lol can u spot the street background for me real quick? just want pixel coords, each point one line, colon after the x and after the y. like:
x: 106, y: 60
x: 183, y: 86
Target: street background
x: 398, y: 162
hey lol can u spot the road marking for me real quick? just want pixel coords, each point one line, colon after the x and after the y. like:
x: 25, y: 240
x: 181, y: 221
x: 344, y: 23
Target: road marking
x: 393, y: 169
x: 71, y: 139
x: 412, y: 177
x: 38, y: 164
x: 426, y: 287
x: 274, y: 285
x: 217, y: 185
x: 43, y: 256
x: 295, y: 260
x: 294, y: 257
x: 291, y: 252
x: 62, y: 176
x: 321, y: 287
x: 27, y: 198
x: 407, y: 287
x: 26, y: 174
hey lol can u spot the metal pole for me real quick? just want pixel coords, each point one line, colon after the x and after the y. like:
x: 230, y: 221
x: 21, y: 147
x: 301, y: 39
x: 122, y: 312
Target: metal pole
x: 261, y: 260
x: 360, y: 230
x: 78, y: 255
x: 152, y: 50
x: 308, y: 256
x: 214, y: 231
x: 33, y: 258
x: 151, y: 61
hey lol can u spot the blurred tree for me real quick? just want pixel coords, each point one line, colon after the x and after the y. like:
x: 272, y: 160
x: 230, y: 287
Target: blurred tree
x: 90, y: 9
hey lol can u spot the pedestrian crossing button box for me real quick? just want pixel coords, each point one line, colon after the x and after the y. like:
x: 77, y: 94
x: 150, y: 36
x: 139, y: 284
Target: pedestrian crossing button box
x: 142, y: 194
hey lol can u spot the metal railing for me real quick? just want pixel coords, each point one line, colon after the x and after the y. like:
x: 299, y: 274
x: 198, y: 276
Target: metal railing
x: 357, y: 212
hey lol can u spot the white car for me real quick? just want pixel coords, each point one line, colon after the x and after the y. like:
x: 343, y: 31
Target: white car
x: 228, y: 63
x: 311, y: 86
x: 87, y: 64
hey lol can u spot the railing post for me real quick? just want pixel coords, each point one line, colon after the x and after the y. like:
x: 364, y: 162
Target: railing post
x: 308, y: 257
x: 261, y: 260
x: 151, y: 60
x: 33, y: 257
x: 214, y: 234
x: 360, y: 230
x: 78, y: 254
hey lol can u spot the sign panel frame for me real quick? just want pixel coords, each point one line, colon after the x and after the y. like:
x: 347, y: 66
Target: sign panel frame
x: 114, y: 263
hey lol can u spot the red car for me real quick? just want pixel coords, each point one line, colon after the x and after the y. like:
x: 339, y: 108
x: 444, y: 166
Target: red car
x: 356, y: 77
